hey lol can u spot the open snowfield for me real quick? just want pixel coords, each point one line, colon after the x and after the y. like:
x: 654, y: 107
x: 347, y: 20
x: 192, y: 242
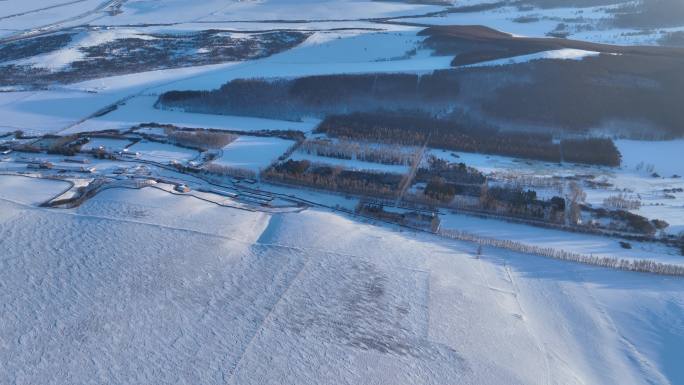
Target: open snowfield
x: 51, y: 111
x: 163, y: 152
x: 149, y: 11
x: 141, y: 110
x: 31, y: 191
x: 148, y: 287
x: 253, y: 153
x: 16, y: 15
x: 667, y: 157
x: 13, y: 7
x: 108, y: 144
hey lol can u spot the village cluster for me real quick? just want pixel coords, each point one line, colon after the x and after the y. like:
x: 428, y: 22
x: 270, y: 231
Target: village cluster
x: 421, y: 188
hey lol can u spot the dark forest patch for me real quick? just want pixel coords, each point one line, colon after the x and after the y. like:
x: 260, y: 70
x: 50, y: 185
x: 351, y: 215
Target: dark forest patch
x: 23, y: 49
x: 475, y: 43
x: 651, y: 14
x: 459, y: 134
x: 673, y: 39
x: 138, y: 54
x: 321, y: 95
x: 578, y: 95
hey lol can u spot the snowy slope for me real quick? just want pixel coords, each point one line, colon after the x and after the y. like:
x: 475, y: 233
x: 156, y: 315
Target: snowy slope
x: 147, y: 287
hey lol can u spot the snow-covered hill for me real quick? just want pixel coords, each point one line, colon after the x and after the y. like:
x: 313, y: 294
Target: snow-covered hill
x: 146, y: 287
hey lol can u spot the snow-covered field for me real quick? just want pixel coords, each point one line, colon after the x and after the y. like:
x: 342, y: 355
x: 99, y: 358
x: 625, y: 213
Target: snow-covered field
x: 144, y: 286
x: 585, y: 244
x: 141, y: 110
x: 162, y: 152
x: 31, y: 191
x: 666, y: 157
x: 109, y: 144
x: 17, y: 16
x: 252, y: 152
x: 149, y: 11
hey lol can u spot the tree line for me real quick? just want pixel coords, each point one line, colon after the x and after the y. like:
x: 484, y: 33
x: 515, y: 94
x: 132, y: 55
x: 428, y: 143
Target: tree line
x: 345, y: 149
x: 305, y: 173
x: 412, y: 128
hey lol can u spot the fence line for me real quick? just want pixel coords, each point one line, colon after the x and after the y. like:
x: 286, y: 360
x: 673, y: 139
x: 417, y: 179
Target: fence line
x: 642, y: 265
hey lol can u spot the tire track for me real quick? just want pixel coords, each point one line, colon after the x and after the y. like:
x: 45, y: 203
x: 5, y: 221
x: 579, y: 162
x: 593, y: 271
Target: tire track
x: 41, y: 9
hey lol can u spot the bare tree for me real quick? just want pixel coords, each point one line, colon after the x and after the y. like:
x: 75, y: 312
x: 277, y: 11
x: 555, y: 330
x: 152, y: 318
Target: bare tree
x: 575, y: 197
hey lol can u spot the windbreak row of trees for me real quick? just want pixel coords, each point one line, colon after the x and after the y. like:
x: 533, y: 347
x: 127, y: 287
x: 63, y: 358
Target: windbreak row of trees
x: 344, y: 149
x: 200, y: 139
x: 623, y: 220
x: 644, y: 266
x: 305, y: 173
x: 451, y: 134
